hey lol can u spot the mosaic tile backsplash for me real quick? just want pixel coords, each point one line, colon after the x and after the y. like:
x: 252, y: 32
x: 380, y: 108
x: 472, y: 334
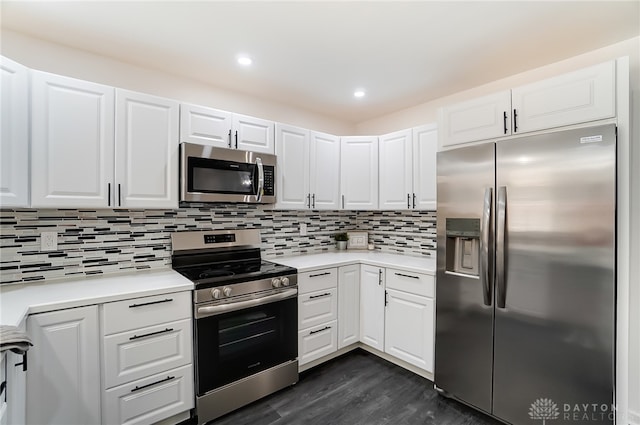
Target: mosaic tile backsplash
x: 109, y: 241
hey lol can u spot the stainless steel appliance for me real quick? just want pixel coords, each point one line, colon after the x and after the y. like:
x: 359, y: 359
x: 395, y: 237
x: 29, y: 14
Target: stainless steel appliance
x: 209, y: 174
x: 245, y: 319
x: 526, y: 276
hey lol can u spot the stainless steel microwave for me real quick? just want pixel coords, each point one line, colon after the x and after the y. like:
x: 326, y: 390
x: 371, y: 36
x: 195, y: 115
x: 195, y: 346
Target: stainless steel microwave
x: 209, y: 174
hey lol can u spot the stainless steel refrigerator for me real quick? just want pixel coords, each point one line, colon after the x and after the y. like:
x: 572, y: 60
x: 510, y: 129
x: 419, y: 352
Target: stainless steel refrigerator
x: 526, y: 277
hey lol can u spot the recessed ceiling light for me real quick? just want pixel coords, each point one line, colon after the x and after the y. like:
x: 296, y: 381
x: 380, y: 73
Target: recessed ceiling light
x: 359, y: 93
x: 244, y: 60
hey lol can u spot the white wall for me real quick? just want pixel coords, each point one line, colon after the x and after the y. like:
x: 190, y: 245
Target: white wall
x: 45, y: 56
x: 427, y: 112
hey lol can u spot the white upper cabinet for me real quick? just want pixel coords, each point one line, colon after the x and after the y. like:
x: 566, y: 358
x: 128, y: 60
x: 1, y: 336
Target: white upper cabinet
x: 408, y: 168
x: 324, y: 175
x: 292, y: 150
x: 396, y: 170
x: 205, y: 126
x: 581, y: 96
x: 308, y: 169
x: 222, y: 129
x: 14, y: 136
x: 477, y: 119
x: 98, y: 147
x: 72, y: 131
x: 425, y: 148
x: 146, y: 151
x: 253, y: 134
x: 359, y: 172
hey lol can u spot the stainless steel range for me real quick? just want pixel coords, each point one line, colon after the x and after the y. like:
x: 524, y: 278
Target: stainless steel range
x: 245, y: 319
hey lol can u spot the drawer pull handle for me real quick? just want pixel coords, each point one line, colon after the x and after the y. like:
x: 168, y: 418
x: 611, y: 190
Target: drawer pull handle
x: 151, y: 334
x: 320, y: 330
x: 319, y: 274
x: 166, y: 300
x: 406, y: 275
x: 168, y: 378
x: 326, y: 294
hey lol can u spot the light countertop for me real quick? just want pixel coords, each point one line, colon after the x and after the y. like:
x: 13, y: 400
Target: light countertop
x: 308, y: 262
x: 17, y: 301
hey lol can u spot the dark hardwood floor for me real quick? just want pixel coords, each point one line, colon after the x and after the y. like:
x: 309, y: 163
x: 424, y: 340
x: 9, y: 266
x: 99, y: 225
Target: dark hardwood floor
x: 356, y: 389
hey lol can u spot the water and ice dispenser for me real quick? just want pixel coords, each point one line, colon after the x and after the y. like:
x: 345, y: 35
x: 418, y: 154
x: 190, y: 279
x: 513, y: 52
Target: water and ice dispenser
x: 463, y: 245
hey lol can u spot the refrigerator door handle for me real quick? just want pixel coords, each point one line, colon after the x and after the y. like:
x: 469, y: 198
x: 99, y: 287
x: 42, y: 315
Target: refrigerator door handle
x: 501, y: 253
x: 485, y: 251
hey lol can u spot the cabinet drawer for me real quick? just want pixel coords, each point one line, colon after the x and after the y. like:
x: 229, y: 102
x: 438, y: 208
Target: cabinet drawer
x: 136, y: 313
x: 151, y: 399
x: 317, y: 307
x: 142, y: 352
x: 414, y: 283
x: 317, y: 342
x: 317, y: 280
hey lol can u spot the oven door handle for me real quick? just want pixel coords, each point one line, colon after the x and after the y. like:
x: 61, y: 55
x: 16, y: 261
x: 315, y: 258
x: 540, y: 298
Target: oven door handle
x: 213, y: 310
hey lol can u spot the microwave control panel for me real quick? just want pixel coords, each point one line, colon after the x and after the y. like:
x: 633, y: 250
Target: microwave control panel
x: 269, y: 179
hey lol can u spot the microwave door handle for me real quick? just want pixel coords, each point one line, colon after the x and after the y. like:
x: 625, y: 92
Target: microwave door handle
x: 260, y: 180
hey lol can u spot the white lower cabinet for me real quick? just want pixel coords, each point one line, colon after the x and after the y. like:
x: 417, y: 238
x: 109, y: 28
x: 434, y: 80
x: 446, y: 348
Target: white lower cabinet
x: 63, y: 379
x: 316, y: 308
x: 317, y: 314
x: 151, y: 399
x: 16, y: 389
x: 3, y: 381
x: 123, y: 362
x: 409, y: 317
x: 388, y: 309
x: 372, y: 306
x: 409, y: 328
x: 317, y: 342
x: 13, y: 378
x: 147, y: 359
x: 348, y: 305
x: 142, y: 352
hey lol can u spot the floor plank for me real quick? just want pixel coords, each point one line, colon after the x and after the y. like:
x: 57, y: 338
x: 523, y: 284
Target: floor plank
x: 358, y: 388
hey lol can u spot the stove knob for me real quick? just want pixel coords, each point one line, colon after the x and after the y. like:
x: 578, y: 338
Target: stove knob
x: 285, y: 281
x: 215, y: 293
x: 227, y: 291
x: 275, y: 282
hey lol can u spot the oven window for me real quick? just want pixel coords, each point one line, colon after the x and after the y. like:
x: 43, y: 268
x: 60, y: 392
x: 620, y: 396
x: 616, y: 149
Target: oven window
x: 234, y: 345
x: 217, y: 176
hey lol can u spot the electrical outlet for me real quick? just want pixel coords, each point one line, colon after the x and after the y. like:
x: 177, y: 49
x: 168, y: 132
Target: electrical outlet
x: 48, y: 241
x: 303, y: 229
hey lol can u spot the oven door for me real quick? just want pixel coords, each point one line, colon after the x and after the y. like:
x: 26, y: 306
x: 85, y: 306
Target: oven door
x: 225, y: 175
x: 233, y: 343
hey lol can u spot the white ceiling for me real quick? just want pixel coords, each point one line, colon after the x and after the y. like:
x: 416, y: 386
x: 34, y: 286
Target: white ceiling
x: 314, y: 54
